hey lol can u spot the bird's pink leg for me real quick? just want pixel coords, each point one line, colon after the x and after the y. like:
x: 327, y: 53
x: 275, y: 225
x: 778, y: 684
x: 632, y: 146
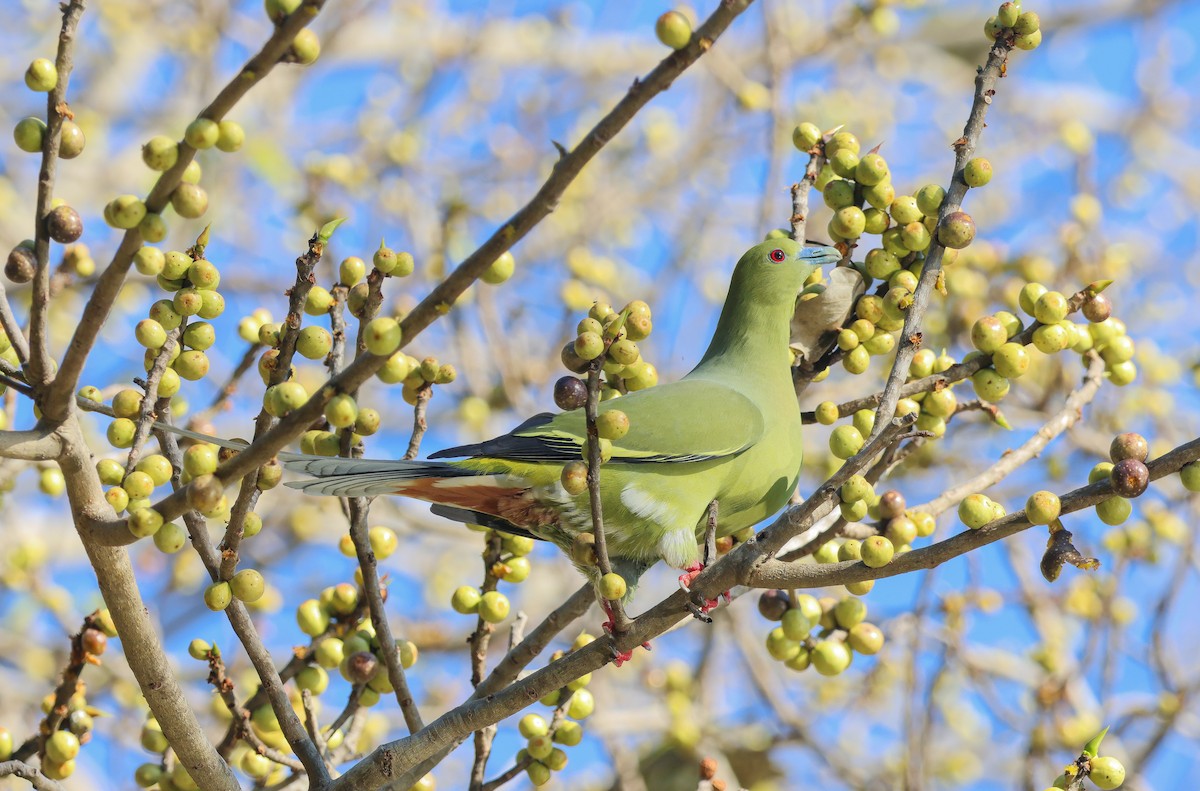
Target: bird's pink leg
x: 691, y: 572
x: 619, y: 657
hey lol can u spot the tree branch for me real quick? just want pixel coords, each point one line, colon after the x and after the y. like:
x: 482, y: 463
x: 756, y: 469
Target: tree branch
x: 37, y: 444
x: 56, y: 111
x: 95, y: 312
x: 964, y: 147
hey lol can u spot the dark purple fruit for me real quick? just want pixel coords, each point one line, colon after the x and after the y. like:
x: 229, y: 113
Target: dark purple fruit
x: 1130, y: 477
x: 64, y: 225
x: 21, y: 265
x: 772, y: 604
x: 570, y: 393
x: 1097, y: 308
x: 361, y: 667
x: 1128, y: 446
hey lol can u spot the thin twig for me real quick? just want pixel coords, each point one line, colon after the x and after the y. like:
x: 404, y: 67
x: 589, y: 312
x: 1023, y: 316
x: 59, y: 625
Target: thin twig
x: 56, y: 112
x: 964, y: 147
x: 15, y: 768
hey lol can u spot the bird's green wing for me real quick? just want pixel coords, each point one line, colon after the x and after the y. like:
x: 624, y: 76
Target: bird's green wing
x: 688, y: 420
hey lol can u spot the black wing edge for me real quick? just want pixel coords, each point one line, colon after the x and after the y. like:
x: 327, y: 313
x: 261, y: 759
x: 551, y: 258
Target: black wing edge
x: 511, y: 446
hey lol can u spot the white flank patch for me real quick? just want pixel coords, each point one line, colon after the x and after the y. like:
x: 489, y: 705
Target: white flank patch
x: 645, y: 506
x: 678, y: 548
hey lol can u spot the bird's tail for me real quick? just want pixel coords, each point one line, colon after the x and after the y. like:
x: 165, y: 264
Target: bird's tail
x: 342, y: 477
x: 458, y: 493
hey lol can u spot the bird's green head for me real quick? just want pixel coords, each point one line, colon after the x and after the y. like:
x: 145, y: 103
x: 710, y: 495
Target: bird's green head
x: 775, y: 270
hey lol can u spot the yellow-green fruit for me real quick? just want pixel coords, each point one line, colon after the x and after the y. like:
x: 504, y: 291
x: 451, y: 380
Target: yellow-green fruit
x: 845, y: 441
x: 574, y: 477
x: 1011, y: 360
x: 144, y: 522
x: 612, y: 586
x: 977, y: 172
x: 612, y: 424
x: 1114, y: 510
x: 341, y: 411
x: 382, y: 336
x: 41, y: 76
x: 582, y: 705
x: 1042, y: 508
x: 230, y: 136
x: 500, y: 270
x: 493, y: 607
x: 217, y: 596
x: 849, y: 612
x: 248, y: 585
x: 202, y: 133
x: 1051, y: 307
x: 169, y: 538
x: 865, y: 638
x: 62, y: 746
x: 929, y: 199
x: 827, y: 413
x: 975, y: 511
x: 805, y: 136
x: 989, y: 385
x: 674, y: 30
x: 877, y: 551
x: 465, y: 600
x: 830, y: 657
x: 1106, y: 772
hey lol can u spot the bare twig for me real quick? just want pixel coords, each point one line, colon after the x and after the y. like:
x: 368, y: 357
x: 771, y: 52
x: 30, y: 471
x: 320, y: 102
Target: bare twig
x: 56, y: 111
x: 964, y: 147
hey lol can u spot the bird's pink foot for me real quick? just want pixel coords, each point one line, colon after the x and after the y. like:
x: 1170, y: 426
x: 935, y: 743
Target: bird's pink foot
x: 619, y: 657
x: 685, y: 583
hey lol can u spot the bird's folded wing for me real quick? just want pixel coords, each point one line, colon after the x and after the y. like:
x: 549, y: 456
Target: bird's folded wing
x: 688, y: 420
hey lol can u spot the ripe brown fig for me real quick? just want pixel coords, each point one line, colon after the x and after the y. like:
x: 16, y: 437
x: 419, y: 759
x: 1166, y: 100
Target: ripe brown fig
x: 64, y: 225
x: 1128, y: 446
x: 1130, y: 477
x: 21, y: 265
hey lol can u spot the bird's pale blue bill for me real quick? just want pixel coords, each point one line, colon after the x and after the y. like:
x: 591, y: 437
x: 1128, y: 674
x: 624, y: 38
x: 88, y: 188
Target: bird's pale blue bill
x: 821, y: 255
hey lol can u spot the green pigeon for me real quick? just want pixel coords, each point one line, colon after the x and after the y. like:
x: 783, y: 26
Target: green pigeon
x: 728, y: 431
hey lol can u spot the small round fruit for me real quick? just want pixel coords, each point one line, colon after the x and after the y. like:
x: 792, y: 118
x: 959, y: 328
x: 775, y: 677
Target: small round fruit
x: 805, y: 136
x: 930, y: 198
x: 62, y: 746
x: 465, y: 600
x: 64, y: 225
x: 865, y: 638
x: 1042, y: 508
x: 202, y: 133
x: 582, y: 705
x: 570, y: 393
x: 574, y: 477
x: 189, y: 200
x: 41, y: 76
x: 988, y: 334
x: 612, y: 586
x: 674, y: 30
x: 1010, y: 360
x: 1129, y: 446
x: 1051, y: 308
x: 830, y: 657
x: 230, y: 136
x: 975, y: 511
x: 160, y: 153
x: 877, y: 551
x: 845, y: 441
x: 1106, y: 772
x: 493, y: 607
x: 1130, y: 477
x: 1096, y: 308
x: 956, y: 230
x: 977, y: 172
x: 989, y: 384
x: 500, y: 270
x: 217, y: 596
x: 612, y: 424
x: 71, y: 142
x: 1114, y: 511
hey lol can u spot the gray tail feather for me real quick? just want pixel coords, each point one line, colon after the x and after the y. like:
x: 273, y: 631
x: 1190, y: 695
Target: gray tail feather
x: 467, y: 516
x: 340, y: 476
x: 364, y: 477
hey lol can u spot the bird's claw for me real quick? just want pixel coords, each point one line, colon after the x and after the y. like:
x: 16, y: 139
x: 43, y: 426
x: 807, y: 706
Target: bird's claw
x: 705, y: 606
x: 610, y: 627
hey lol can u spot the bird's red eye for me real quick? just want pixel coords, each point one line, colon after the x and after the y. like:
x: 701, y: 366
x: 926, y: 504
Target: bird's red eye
x: 777, y: 255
